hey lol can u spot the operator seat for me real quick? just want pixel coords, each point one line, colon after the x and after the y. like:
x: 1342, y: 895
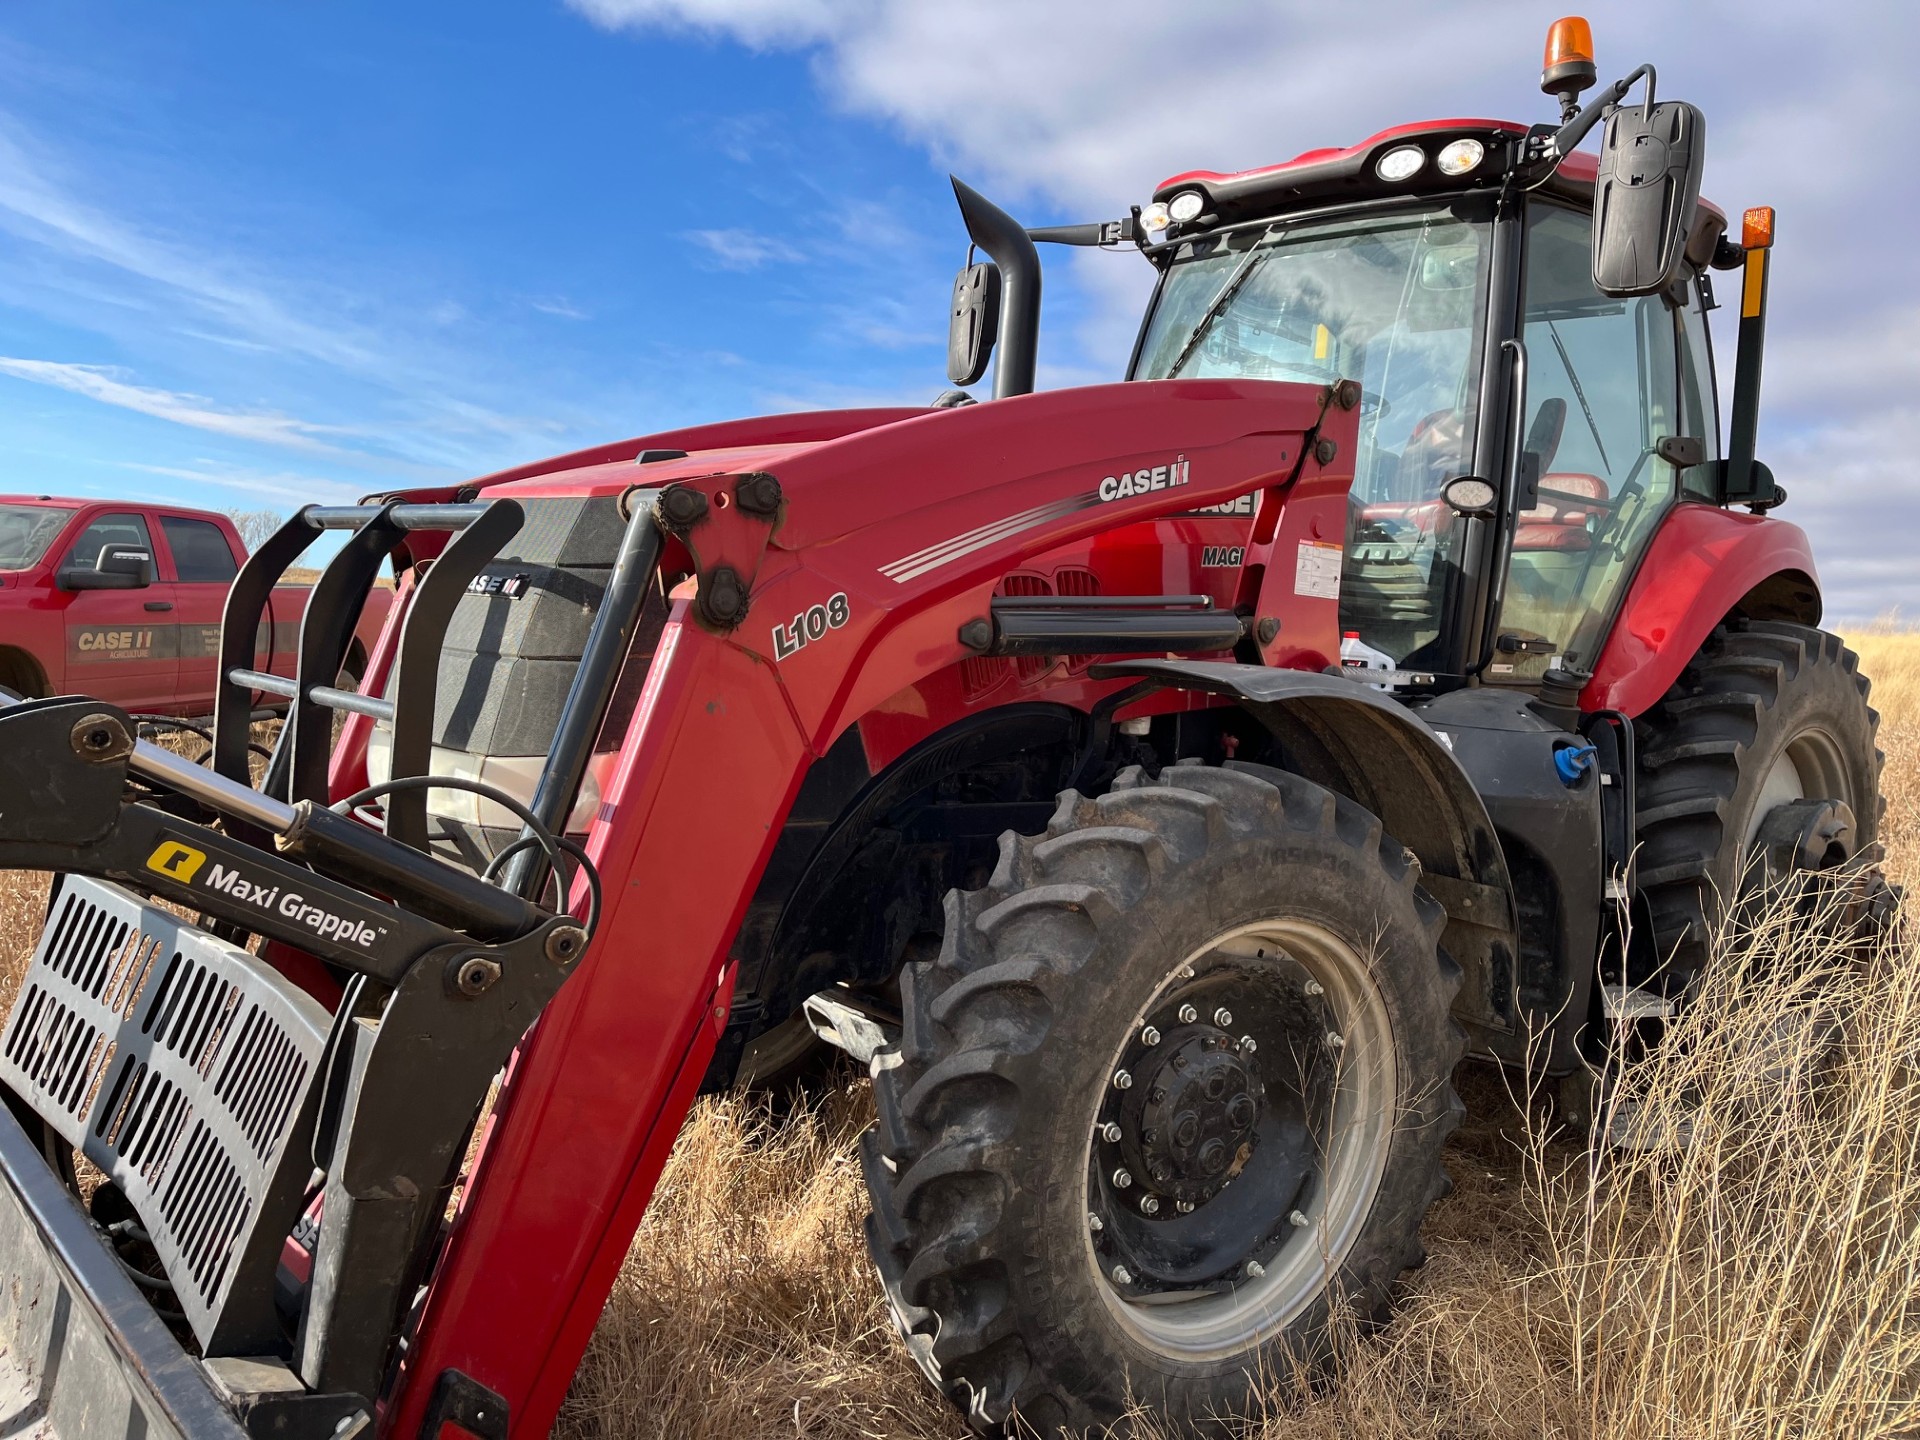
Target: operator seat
x: 1560, y: 521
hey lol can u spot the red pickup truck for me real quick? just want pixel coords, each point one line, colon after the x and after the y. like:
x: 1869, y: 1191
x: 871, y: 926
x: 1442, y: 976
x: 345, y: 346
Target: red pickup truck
x: 122, y: 601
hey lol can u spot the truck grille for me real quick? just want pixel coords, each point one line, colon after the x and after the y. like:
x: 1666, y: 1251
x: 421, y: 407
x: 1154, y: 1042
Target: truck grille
x: 177, y: 1063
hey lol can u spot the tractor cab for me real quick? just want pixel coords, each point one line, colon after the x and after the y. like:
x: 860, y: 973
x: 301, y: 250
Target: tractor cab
x: 1527, y: 324
x: 1394, y: 263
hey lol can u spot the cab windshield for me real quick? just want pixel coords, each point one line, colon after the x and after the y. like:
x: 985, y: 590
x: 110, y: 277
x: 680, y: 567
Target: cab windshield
x: 1396, y: 302
x: 26, y: 531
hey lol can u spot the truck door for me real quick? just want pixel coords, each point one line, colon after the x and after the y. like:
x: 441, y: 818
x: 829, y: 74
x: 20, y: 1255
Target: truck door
x: 122, y: 645
x: 203, y: 569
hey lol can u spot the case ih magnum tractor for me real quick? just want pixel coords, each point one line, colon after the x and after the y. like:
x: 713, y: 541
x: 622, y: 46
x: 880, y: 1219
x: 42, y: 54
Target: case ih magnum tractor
x: 1007, y: 745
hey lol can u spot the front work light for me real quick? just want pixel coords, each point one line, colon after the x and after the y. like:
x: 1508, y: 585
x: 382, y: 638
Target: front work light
x: 1401, y: 164
x: 1187, y: 204
x: 1460, y: 157
x: 1470, y: 495
x: 1155, y: 217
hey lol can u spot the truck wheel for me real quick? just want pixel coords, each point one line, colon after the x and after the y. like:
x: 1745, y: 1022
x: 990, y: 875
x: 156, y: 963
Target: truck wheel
x: 1176, y: 1085
x: 1769, y: 715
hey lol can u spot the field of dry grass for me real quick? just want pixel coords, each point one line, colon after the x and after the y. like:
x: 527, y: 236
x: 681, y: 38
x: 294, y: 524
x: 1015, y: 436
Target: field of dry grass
x: 1764, y: 1282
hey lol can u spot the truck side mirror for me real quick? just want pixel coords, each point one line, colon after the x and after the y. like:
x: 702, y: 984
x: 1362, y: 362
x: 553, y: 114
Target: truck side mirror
x: 117, y: 567
x: 975, y: 322
x: 1644, y: 196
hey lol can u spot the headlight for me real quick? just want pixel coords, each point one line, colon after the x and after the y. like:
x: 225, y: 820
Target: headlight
x: 1470, y: 495
x: 1187, y: 204
x: 1461, y: 156
x: 1401, y: 164
x: 1155, y: 217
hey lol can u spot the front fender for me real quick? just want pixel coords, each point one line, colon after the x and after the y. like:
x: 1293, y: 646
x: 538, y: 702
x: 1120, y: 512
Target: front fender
x: 1365, y: 745
x: 1702, y: 562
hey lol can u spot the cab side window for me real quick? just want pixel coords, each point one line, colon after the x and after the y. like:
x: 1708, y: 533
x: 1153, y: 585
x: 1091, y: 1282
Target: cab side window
x: 1699, y: 405
x: 1603, y: 390
x: 104, y: 531
x: 200, y: 551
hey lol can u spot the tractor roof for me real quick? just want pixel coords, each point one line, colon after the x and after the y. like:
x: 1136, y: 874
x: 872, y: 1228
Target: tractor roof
x: 1332, y: 175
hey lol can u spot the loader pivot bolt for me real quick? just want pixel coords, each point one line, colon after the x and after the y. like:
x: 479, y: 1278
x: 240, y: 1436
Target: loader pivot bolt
x: 100, y: 738
x: 977, y: 634
x: 758, y: 494
x: 722, y: 598
x: 564, y: 944
x: 680, y: 507
x: 475, y: 975
x: 1267, y: 631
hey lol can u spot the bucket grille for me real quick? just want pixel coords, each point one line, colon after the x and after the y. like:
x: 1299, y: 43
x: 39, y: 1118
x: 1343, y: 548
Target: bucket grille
x: 177, y: 1063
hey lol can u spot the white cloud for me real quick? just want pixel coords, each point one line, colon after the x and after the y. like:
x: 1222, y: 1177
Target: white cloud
x: 742, y: 249
x: 97, y: 382
x: 289, y: 488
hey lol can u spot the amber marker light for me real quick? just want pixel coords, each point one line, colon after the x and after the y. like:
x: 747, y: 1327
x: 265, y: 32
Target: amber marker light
x: 1756, y: 228
x: 1567, y: 66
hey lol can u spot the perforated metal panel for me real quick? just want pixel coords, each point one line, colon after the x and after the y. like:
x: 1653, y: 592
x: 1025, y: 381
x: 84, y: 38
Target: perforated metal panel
x: 176, y: 1063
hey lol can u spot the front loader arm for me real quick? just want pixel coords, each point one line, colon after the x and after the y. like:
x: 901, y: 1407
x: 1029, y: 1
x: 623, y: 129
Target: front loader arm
x: 909, y: 526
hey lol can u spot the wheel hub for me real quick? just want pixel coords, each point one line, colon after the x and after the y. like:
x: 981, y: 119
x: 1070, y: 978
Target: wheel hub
x: 1189, y: 1125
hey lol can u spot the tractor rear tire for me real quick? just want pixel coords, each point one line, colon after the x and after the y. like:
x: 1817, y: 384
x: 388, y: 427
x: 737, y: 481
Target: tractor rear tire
x: 1766, y: 714
x: 1191, y: 1042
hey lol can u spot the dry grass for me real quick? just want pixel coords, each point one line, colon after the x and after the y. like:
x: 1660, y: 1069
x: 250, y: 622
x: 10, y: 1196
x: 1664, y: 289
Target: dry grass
x: 1763, y: 1282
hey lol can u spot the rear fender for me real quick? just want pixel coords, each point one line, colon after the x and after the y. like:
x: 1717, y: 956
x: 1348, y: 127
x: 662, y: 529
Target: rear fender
x: 1362, y: 744
x: 1703, y: 565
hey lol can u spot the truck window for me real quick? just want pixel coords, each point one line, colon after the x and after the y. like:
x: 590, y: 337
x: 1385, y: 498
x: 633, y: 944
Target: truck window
x: 26, y: 531
x: 108, y: 530
x: 200, y: 550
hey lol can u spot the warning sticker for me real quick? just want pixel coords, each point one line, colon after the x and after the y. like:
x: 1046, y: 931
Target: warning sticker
x: 1316, y: 572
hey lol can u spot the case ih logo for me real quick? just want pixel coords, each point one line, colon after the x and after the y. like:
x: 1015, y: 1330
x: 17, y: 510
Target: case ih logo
x: 1159, y: 477
x: 511, y: 586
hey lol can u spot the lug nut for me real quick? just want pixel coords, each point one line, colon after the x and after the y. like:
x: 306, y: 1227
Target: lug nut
x: 1156, y: 1096
x: 1314, y: 987
x: 1149, y: 1036
x: 1122, y: 1080
x: 1110, y: 1133
x: 1185, y: 1207
x: 1186, y: 972
x: 1095, y: 1223
x: 1223, y: 1017
x: 1298, y: 1220
x: 1149, y: 1205
x: 1246, y: 1044
x: 1255, y: 1269
x: 1336, y: 1041
x: 1188, y: 1014
x: 1122, y: 1275
x: 1122, y: 1179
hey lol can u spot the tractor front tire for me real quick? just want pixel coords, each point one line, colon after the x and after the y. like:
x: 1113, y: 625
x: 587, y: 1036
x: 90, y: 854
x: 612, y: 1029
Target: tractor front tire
x: 1171, y: 1099
x: 1767, y: 714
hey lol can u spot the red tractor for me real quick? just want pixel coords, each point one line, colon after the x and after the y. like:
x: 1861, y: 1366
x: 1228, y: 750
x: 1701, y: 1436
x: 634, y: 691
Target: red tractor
x: 1160, y: 785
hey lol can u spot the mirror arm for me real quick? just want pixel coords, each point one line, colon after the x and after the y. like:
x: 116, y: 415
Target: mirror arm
x: 1011, y: 249
x: 1567, y: 138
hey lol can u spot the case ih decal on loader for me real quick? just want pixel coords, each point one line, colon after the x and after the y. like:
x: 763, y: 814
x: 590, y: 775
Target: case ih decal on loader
x: 1043, y: 793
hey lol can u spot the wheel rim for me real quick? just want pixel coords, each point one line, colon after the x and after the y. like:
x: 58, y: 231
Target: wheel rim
x: 1198, y: 1259
x: 1809, y: 766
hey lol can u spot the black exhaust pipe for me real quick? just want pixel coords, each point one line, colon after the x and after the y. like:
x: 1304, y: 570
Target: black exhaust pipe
x: 1005, y: 241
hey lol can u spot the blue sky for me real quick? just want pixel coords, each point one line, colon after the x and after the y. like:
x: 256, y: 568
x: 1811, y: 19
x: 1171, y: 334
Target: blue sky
x: 254, y: 254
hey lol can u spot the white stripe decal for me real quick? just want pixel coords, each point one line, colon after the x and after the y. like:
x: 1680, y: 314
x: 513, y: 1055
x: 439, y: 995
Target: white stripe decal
x: 958, y: 543
x: 911, y: 567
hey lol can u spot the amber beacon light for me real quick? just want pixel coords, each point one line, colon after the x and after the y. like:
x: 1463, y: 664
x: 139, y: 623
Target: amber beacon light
x: 1567, y: 67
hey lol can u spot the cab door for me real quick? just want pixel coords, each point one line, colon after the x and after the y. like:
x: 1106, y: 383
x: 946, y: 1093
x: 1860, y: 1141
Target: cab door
x: 203, y: 567
x: 122, y: 646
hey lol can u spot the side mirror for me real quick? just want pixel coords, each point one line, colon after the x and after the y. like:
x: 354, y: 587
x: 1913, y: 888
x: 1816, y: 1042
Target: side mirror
x: 1651, y: 158
x: 118, y: 567
x: 974, y: 324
